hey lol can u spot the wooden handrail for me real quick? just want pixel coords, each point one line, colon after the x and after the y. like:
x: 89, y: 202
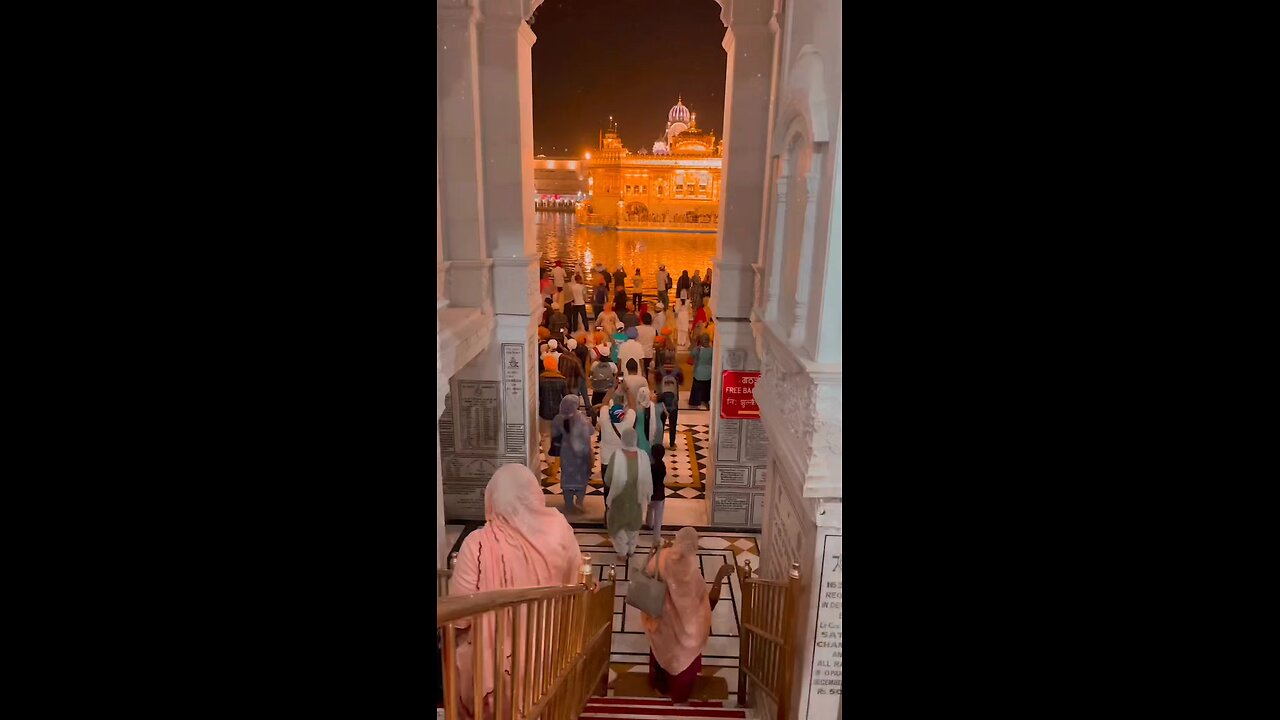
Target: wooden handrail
x: 457, y: 607
x: 550, y: 647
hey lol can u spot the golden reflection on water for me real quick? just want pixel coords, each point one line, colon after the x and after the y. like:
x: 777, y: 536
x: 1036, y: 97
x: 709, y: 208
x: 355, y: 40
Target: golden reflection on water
x: 561, y: 238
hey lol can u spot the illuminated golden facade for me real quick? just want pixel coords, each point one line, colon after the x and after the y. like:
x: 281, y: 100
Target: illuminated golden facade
x: 675, y: 186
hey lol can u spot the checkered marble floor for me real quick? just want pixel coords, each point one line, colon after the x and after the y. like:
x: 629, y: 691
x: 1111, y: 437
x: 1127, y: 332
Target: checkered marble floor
x: 686, y: 468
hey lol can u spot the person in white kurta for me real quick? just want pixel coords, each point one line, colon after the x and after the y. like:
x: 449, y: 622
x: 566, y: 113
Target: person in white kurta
x: 630, y: 490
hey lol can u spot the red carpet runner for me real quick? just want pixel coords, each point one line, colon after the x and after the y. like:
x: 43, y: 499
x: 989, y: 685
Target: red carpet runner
x: 617, y: 708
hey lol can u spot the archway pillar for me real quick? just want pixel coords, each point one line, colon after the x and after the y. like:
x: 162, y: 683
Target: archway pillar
x: 739, y: 446
x: 460, y: 170
x: 506, y: 127
x: 749, y: 44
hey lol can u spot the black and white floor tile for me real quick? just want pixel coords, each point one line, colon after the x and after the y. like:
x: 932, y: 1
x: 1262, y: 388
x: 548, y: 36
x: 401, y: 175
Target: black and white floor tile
x: 690, y: 452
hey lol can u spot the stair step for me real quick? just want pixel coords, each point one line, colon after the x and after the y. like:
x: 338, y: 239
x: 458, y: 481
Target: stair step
x: 661, y: 714
x: 656, y: 712
x: 624, y: 700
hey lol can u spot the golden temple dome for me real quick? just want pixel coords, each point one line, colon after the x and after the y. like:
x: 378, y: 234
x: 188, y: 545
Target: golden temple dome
x: 679, y: 113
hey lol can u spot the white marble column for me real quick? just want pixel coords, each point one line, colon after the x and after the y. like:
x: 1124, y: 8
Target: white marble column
x: 506, y: 101
x: 459, y: 154
x: 749, y: 73
x: 506, y: 98
x: 442, y: 300
x: 825, y: 337
x: 749, y: 44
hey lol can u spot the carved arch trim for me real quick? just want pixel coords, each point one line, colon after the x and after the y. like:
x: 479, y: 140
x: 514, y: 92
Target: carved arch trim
x: 806, y: 99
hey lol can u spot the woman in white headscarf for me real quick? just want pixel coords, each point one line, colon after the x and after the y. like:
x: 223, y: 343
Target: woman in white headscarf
x: 523, y: 544
x: 630, y: 489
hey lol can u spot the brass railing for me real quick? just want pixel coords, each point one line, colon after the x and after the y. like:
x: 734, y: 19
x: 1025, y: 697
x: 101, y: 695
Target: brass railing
x: 766, y: 644
x: 552, y: 647
x: 443, y: 577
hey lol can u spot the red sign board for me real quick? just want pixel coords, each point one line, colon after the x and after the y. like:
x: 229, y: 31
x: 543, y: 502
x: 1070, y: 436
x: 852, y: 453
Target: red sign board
x: 738, y: 395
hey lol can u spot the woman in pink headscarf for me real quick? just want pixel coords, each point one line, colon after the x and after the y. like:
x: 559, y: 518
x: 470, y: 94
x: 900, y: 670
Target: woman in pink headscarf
x: 677, y: 638
x: 523, y: 544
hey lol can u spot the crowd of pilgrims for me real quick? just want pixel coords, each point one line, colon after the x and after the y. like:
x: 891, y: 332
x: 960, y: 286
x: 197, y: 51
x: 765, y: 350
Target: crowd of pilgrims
x: 613, y: 382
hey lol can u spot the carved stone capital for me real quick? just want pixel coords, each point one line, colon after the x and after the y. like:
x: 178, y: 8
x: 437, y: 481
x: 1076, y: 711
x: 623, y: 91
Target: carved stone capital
x: 746, y: 13
x: 515, y: 284
x: 467, y: 284
x: 456, y: 12
x: 733, y: 288
x: 800, y: 406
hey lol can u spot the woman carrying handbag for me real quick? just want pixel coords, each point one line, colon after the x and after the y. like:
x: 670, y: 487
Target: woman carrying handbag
x: 678, y: 634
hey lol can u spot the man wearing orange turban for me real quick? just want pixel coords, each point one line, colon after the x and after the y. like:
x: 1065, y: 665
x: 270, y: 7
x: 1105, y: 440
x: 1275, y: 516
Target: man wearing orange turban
x: 552, y: 388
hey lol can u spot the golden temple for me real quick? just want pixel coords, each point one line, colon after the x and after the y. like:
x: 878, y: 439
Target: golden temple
x: 674, y: 186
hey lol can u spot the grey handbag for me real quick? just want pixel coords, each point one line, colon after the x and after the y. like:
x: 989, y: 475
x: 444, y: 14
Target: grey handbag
x: 648, y: 594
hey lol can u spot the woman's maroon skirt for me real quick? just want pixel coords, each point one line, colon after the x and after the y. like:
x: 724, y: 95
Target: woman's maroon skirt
x: 680, y: 686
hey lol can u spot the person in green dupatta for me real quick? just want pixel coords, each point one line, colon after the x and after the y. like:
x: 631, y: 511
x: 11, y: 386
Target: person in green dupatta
x: 630, y: 489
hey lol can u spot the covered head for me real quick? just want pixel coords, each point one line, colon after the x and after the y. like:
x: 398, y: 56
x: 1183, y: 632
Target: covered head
x: 571, y: 343
x: 551, y: 363
x: 629, y: 439
x: 543, y: 333
x: 535, y: 541
x: 642, y: 397
x: 569, y: 405
x: 686, y: 541
x: 631, y: 349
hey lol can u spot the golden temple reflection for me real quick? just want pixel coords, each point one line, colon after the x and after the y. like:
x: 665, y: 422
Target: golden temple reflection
x: 559, y: 238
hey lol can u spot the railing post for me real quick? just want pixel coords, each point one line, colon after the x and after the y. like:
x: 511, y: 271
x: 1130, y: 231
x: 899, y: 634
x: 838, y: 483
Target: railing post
x: 744, y: 639
x: 790, y: 614
x: 603, y: 688
x: 453, y: 558
x: 584, y: 573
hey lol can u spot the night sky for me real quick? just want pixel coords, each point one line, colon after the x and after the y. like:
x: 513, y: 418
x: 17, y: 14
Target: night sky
x: 627, y: 58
